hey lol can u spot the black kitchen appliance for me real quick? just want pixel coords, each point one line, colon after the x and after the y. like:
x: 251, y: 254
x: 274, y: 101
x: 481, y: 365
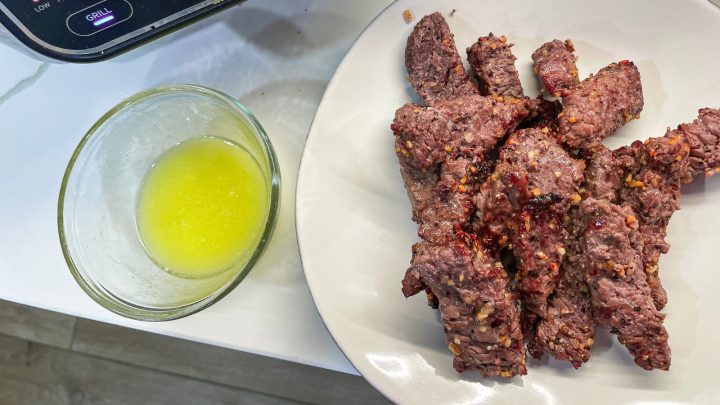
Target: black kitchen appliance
x: 93, y: 30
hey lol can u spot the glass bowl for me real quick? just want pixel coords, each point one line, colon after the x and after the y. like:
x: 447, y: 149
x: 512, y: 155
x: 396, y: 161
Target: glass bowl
x: 97, y: 204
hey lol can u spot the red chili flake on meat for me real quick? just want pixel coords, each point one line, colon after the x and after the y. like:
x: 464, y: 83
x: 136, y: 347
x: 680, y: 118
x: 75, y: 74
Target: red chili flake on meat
x: 523, y: 220
x: 517, y: 181
x: 470, y: 240
x: 637, y: 144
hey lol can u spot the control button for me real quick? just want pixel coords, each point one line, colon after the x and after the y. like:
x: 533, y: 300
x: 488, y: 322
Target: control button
x: 98, y: 17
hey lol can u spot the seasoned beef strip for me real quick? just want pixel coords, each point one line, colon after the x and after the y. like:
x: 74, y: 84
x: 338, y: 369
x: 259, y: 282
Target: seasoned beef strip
x: 555, y: 66
x: 450, y: 207
x: 567, y: 331
x: 494, y: 65
x: 523, y: 202
x: 653, y: 174
x: 568, y: 328
x: 478, y: 311
x: 703, y: 137
x: 465, y: 126
x: 600, y: 105
x: 612, y: 267
x: 433, y: 63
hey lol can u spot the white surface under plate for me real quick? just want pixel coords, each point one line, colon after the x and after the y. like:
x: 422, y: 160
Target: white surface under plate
x: 353, y: 216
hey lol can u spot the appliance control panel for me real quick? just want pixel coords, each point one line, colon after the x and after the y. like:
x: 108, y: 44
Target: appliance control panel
x: 79, y: 28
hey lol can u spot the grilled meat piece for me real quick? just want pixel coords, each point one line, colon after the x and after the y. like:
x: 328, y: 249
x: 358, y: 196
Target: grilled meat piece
x: 523, y: 203
x: 653, y: 173
x: 441, y: 149
x: 600, y: 105
x: 568, y: 328
x: 703, y: 138
x: 433, y: 63
x: 612, y: 267
x: 555, y: 66
x: 493, y: 62
x: 451, y: 207
x: 478, y: 311
x: 465, y: 126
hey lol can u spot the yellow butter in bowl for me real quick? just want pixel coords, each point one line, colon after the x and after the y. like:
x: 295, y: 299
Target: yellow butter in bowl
x: 202, y: 207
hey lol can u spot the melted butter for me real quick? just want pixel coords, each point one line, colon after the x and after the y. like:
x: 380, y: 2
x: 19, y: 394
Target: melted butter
x: 202, y: 207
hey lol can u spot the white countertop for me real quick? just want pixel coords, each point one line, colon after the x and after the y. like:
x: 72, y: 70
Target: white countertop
x: 276, y: 57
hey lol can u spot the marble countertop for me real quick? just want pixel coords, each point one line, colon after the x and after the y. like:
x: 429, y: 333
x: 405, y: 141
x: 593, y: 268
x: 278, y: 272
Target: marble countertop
x: 276, y: 58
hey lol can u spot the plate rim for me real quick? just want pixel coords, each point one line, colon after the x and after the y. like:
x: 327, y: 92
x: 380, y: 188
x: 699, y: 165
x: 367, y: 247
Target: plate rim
x: 298, y: 180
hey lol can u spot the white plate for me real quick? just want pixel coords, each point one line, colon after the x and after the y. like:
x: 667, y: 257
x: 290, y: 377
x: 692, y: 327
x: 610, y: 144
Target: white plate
x: 353, y: 216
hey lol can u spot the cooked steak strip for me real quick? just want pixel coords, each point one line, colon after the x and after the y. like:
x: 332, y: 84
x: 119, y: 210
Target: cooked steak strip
x: 440, y: 149
x: 465, y: 126
x: 600, y: 105
x: 433, y: 63
x: 478, y: 311
x: 493, y: 62
x: 523, y: 203
x: 703, y: 137
x: 605, y: 182
x: 440, y: 190
x: 612, y: 267
x: 567, y: 332
x: 538, y: 241
x: 555, y: 66
x: 653, y: 173
x: 442, y: 203
x: 450, y: 207
x: 569, y: 326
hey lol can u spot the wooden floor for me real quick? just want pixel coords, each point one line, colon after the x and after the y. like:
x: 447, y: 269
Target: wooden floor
x: 51, y: 358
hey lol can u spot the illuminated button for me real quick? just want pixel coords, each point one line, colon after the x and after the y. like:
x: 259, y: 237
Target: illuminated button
x: 98, y: 17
